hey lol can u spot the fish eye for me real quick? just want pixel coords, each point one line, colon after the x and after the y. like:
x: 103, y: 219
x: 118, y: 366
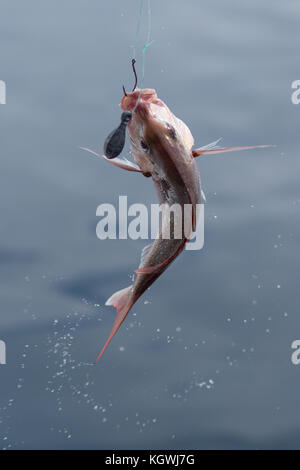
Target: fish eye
x: 144, y: 145
x: 171, y: 130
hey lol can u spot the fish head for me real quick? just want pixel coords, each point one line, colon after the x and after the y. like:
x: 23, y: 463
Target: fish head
x: 154, y: 130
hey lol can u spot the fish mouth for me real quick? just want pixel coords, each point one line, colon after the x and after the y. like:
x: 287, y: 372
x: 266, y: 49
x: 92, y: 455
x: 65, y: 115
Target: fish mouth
x: 146, y: 95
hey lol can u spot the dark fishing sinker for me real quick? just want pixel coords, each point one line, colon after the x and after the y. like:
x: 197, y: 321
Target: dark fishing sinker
x: 115, y: 141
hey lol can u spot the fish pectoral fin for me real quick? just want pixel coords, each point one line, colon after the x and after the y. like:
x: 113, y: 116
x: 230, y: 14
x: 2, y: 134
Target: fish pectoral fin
x: 122, y: 303
x: 120, y: 162
x: 202, y: 151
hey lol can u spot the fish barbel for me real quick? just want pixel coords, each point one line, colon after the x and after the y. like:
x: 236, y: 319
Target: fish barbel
x: 161, y: 145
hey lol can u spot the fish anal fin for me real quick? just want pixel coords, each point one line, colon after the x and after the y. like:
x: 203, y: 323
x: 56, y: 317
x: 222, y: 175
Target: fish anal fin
x: 149, y: 269
x: 157, y: 267
x: 122, y: 302
x: 145, y: 251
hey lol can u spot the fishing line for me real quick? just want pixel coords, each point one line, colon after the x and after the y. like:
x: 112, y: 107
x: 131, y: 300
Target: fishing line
x: 137, y: 34
x: 145, y: 47
x: 148, y: 42
x: 115, y: 141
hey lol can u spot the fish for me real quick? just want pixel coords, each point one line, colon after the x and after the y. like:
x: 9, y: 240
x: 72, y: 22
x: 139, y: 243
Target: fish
x: 162, y: 148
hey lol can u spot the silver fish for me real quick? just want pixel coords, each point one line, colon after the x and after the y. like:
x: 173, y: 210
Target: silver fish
x: 161, y: 145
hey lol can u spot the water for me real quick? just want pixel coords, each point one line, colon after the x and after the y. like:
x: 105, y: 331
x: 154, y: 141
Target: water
x: 205, y: 361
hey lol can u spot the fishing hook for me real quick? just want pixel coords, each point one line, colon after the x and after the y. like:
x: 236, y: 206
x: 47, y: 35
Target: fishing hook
x: 135, y: 77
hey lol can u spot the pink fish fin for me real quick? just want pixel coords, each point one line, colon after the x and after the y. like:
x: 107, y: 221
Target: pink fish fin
x: 120, y: 162
x: 198, y: 152
x: 150, y: 269
x: 122, y: 303
x: 145, y: 251
x: 157, y: 267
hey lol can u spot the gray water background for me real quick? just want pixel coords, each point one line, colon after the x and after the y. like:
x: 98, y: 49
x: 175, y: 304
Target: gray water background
x: 205, y: 362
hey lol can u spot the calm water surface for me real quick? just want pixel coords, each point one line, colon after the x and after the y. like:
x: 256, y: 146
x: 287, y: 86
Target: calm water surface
x: 203, y: 360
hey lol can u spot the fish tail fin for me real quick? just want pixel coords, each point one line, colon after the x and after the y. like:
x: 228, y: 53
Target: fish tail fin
x: 122, y: 302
